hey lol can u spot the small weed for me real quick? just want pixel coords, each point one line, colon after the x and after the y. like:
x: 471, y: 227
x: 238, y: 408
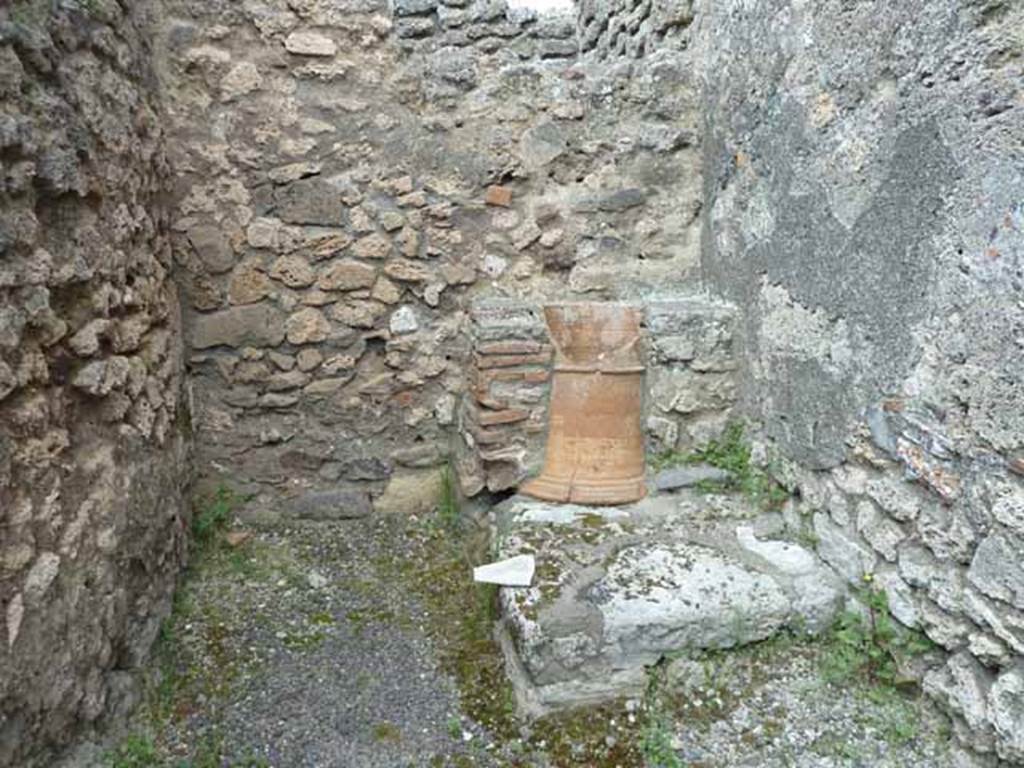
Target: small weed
x: 31, y: 13
x: 387, y: 732
x: 212, y: 516
x: 732, y: 454
x: 656, y: 734
x: 304, y: 639
x: 361, y: 619
x: 454, y: 727
x: 870, y: 648
x: 210, y: 751
x: 134, y: 752
x: 448, y: 503
x: 321, y: 618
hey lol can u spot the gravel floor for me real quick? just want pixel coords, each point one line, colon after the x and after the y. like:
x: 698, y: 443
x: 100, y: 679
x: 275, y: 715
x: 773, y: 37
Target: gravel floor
x: 360, y: 644
x: 326, y: 662
x: 770, y: 708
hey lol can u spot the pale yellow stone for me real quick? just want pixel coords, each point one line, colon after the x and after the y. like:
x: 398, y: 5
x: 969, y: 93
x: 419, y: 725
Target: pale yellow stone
x: 412, y: 492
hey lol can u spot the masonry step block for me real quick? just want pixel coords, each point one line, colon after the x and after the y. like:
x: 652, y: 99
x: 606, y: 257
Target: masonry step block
x: 618, y: 588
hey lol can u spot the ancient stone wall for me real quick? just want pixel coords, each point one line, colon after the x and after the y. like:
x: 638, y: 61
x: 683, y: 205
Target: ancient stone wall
x: 863, y: 181
x: 93, y: 428
x: 368, y: 205
x: 614, y: 29
x: 351, y: 176
x: 485, y: 27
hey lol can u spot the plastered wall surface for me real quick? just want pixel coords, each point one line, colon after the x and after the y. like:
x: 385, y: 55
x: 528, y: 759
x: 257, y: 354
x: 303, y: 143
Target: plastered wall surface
x: 864, y: 184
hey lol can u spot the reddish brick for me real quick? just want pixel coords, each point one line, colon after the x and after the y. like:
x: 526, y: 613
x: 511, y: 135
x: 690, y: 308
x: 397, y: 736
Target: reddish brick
x: 502, y: 453
x: 483, y: 397
x: 496, y: 435
x: 508, y: 416
x: 404, y: 399
x: 484, y: 378
x: 512, y: 348
x: 496, y: 195
x: 510, y: 361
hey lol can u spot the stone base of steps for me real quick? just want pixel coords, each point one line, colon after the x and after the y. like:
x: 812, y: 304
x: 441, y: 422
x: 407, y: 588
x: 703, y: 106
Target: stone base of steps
x: 618, y: 588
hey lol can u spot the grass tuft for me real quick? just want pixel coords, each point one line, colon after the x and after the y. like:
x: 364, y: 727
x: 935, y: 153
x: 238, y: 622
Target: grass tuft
x: 730, y: 453
x: 868, y: 646
x: 656, y: 733
x: 212, y: 516
x: 136, y: 751
x: 448, y: 508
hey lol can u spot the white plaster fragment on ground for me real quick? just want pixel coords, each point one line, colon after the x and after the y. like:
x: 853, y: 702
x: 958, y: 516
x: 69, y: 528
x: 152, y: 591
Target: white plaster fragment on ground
x: 514, y: 572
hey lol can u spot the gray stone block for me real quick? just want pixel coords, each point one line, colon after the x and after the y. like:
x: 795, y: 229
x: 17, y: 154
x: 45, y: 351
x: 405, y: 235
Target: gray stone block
x: 337, y: 504
x: 254, y: 324
x: 414, y: 7
x: 685, y: 477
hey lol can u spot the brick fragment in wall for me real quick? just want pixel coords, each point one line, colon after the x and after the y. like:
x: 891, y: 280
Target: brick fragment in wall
x: 508, y: 416
x: 512, y: 453
x: 531, y: 376
x: 518, y: 392
x: 483, y: 398
x: 514, y: 347
x: 498, y: 435
x: 484, y: 362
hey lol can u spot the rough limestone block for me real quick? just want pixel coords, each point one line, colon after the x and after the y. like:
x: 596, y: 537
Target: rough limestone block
x: 502, y: 319
x: 617, y: 588
x: 997, y: 569
x: 962, y: 686
x: 255, y: 324
x: 684, y: 391
x: 413, y: 492
x: 694, y: 331
x: 1006, y: 706
x: 310, y: 44
x: 843, y: 552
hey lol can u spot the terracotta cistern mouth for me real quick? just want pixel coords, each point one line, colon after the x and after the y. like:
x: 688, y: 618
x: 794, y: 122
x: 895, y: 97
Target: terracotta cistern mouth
x: 594, y: 452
